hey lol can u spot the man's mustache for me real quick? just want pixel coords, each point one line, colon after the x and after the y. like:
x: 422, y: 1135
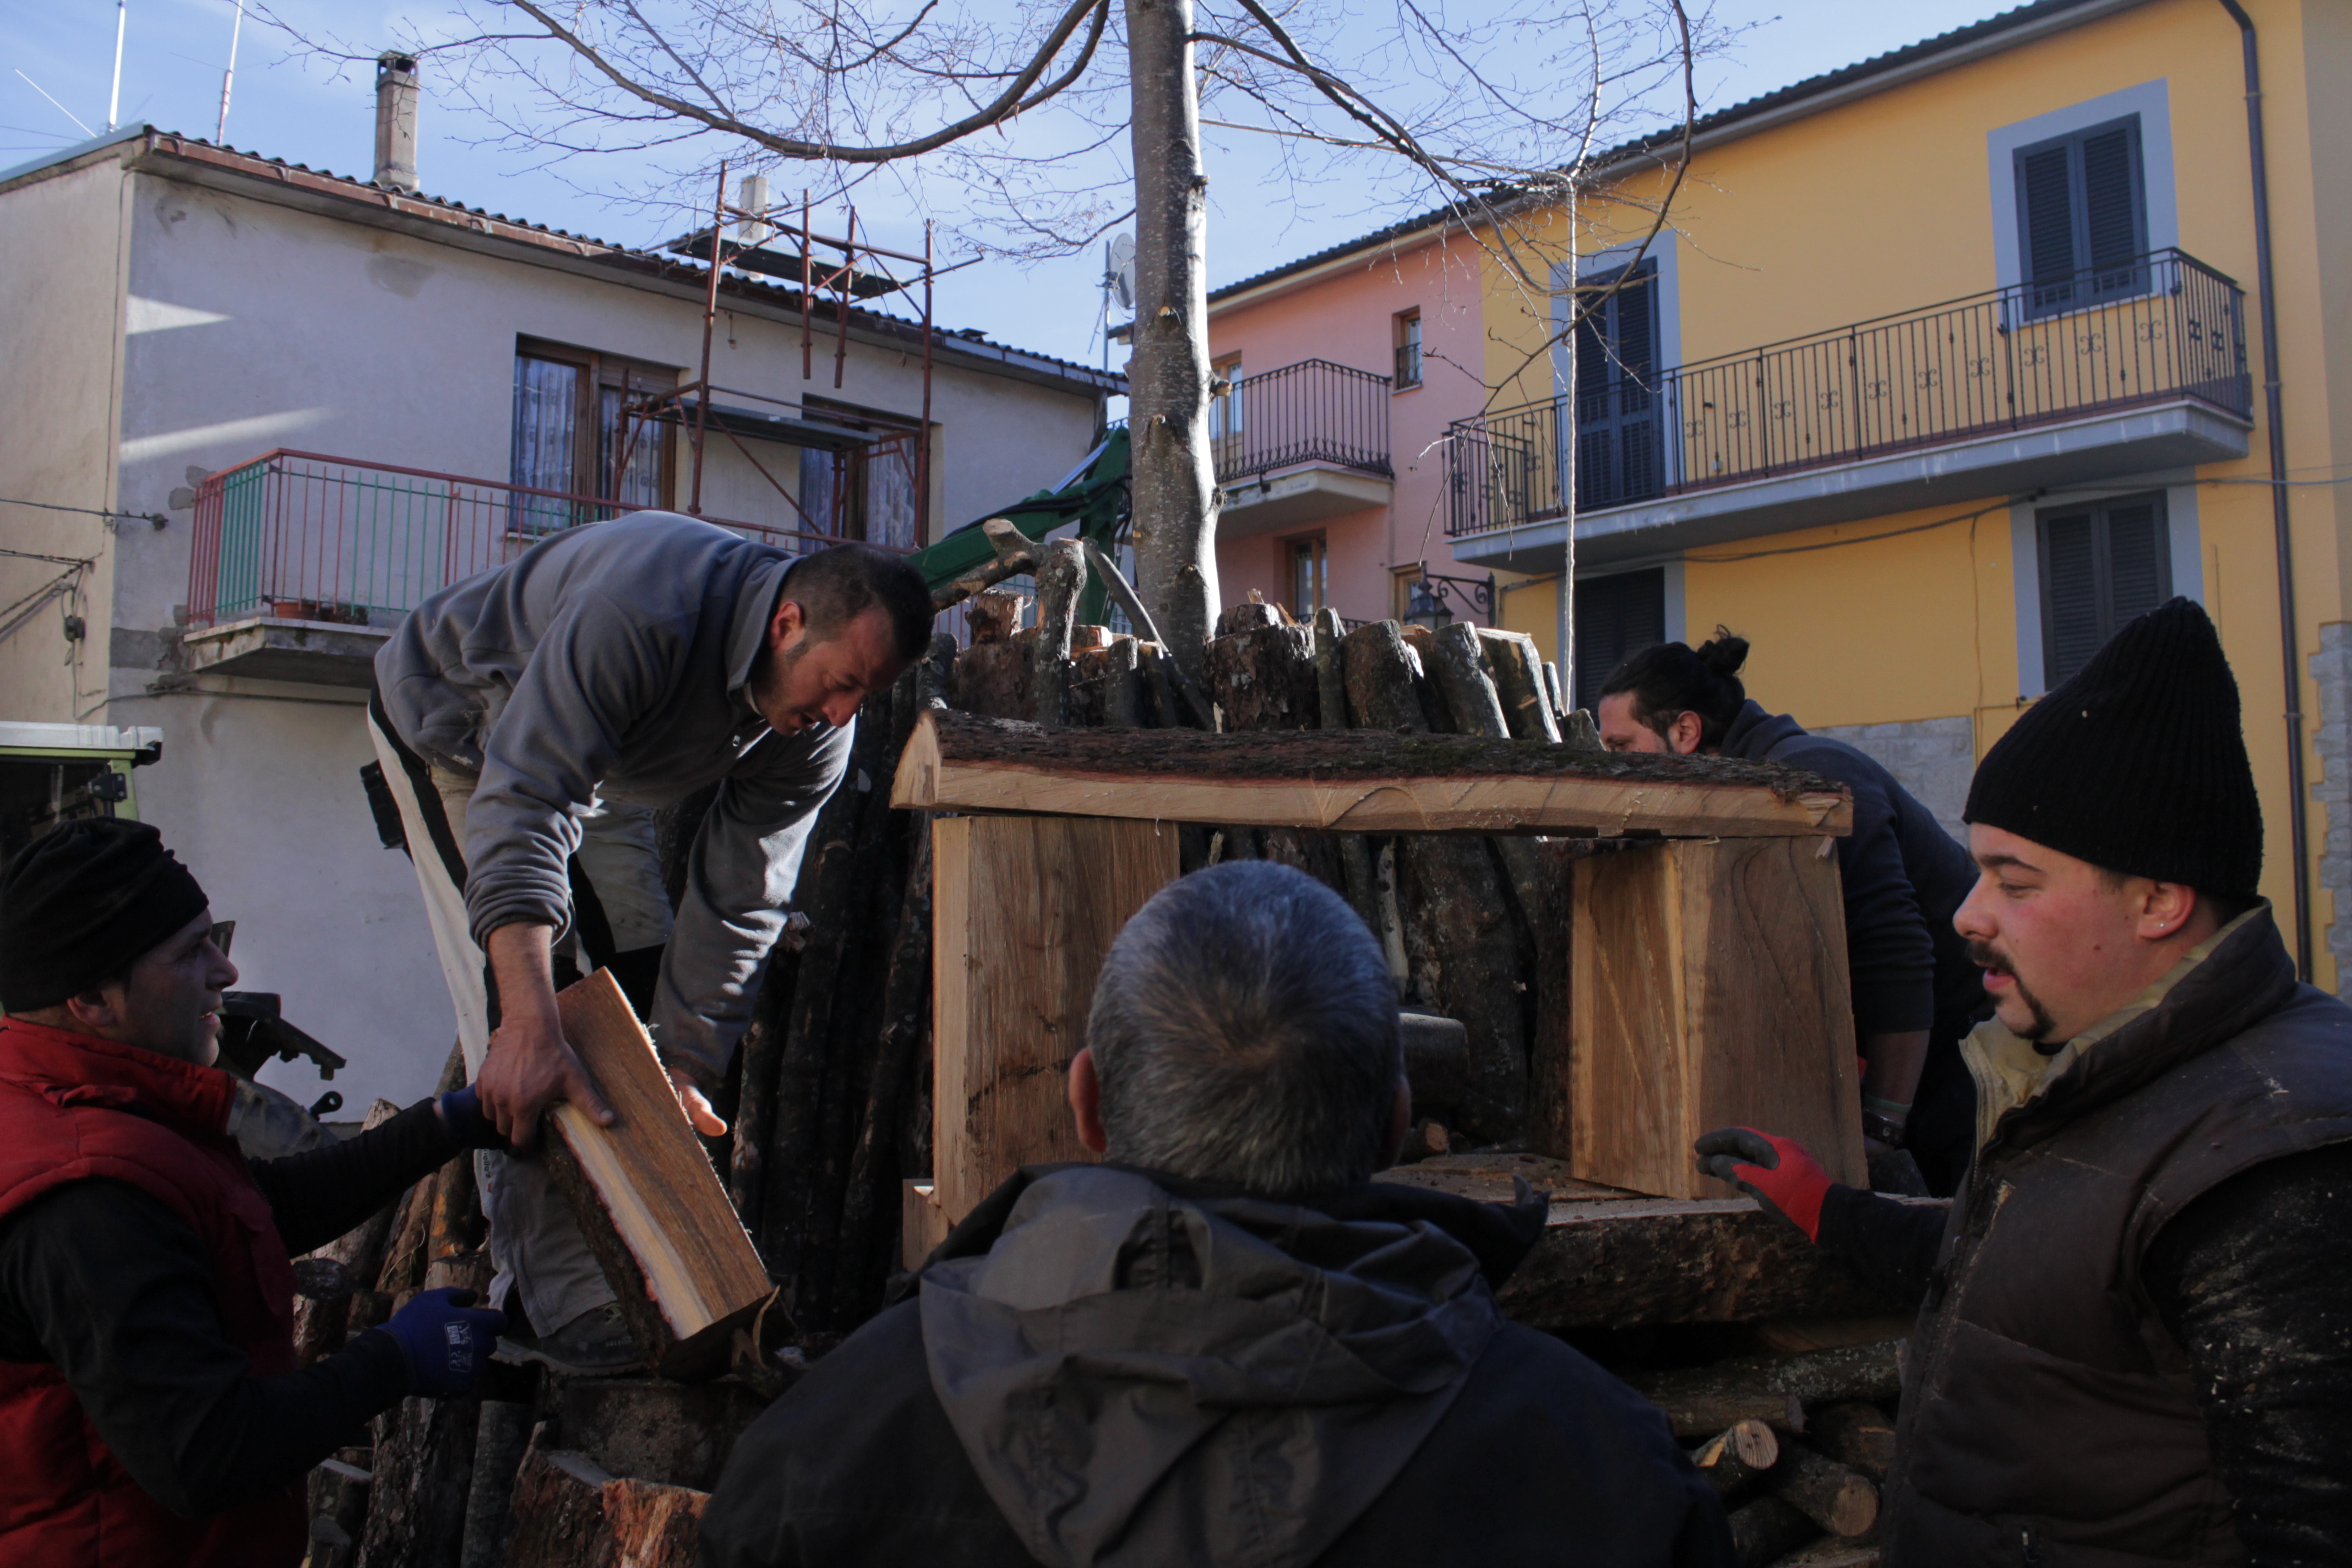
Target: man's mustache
x: 1983, y: 956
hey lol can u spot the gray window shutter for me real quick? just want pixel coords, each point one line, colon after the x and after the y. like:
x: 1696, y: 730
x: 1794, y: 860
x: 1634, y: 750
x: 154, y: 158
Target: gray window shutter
x: 2101, y: 566
x: 2111, y: 204
x: 1616, y: 618
x: 2046, y: 208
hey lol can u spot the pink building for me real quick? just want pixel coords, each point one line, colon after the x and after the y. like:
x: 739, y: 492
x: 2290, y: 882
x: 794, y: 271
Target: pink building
x: 1346, y: 368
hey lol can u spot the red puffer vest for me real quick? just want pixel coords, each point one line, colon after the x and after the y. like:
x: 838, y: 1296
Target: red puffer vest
x: 72, y: 1108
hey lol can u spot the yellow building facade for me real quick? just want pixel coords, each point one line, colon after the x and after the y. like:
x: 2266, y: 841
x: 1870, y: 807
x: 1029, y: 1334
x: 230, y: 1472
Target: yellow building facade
x: 1939, y: 368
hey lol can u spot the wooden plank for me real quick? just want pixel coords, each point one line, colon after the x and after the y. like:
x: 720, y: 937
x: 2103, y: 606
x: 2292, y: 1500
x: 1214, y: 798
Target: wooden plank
x: 1708, y: 989
x: 650, y: 1202
x: 922, y: 1223
x: 1356, y: 781
x: 1024, y: 909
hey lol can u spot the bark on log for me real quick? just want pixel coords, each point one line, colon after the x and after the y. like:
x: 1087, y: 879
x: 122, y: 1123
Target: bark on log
x: 1766, y: 1529
x: 1255, y: 615
x: 1552, y: 1101
x: 1436, y: 712
x: 1379, y: 669
x: 500, y: 1435
x: 1858, y: 1435
x: 1519, y: 685
x: 416, y: 1501
x: 1105, y: 686
x: 874, y: 1193
x: 993, y: 678
x: 1332, y: 713
x: 570, y: 1514
x: 1059, y: 580
x: 1265, y: 678
x: 1735, y: 1457
x: 1457, y: 663
x: 338, y: 1500
x: 993, y: 617
x: 321, y: 1324
x: 1705, y: 1400
x: 1841, y: 1501
x: 677, y: 1434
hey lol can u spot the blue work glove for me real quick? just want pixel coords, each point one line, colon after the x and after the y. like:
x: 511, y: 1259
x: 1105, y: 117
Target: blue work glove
x: 446, y: 1339
x: 462, y: 1119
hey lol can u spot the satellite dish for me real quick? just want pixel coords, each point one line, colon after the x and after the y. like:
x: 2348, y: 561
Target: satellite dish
x: 1119, y: 270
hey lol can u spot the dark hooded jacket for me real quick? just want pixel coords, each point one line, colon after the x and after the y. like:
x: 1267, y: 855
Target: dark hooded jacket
x: 1107, y: 1367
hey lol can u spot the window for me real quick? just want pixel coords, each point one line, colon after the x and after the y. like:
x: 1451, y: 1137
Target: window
x: 1407, y: 336
x: 1617, y: 445
x: 2082, y: 217
x: 570, y: 435
x: 2101, y: 565
x: 1225, y: 413
x: 1306, y: 578
x: 863, y: 489
x: 1616, y: 617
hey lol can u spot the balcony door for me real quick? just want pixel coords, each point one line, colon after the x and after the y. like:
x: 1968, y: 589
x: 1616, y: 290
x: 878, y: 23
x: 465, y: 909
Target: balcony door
x: 573, y: 433
x: 1616, y: 618
x: 1617, y: 404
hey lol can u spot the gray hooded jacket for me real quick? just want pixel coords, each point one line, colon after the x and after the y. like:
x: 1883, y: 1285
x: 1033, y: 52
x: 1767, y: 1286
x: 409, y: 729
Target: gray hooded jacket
x: 1245, y: 1411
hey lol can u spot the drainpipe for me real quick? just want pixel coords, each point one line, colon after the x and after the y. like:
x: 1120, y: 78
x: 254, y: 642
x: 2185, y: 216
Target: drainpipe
x: 2297, y: 831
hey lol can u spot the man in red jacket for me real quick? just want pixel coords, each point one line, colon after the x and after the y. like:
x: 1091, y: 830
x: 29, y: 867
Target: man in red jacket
x: 151, y: 1411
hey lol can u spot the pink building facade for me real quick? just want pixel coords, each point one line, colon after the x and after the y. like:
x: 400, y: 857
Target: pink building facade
x: 1345, y: 370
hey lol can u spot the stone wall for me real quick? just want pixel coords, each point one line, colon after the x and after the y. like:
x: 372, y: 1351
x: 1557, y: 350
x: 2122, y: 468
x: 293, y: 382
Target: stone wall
x: 1932, y: 758
x: 2331, y: 672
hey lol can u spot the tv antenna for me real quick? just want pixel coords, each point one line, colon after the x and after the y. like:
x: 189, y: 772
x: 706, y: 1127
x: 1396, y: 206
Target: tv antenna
x: 1117, y: 283
x: 115, y: 98
x: 221, y: 136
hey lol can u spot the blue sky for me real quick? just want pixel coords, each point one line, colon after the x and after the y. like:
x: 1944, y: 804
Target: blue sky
x: 295, y: 109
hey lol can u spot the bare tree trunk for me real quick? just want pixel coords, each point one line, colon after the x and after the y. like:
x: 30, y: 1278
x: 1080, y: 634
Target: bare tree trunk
x: 1168, y: 383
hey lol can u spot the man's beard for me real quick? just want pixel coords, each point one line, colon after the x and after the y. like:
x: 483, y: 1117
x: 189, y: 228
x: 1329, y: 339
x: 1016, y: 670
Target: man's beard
x: 1982, y: 955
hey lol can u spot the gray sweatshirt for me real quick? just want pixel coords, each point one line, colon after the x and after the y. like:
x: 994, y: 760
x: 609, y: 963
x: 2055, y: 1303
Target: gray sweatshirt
x: 613, y: 662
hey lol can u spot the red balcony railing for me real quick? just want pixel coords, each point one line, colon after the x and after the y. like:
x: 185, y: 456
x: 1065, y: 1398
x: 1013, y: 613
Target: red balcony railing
x: 315, y: 538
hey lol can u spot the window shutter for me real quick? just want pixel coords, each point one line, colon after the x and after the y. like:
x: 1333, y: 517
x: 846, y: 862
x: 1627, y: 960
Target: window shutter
x: 2070, y: 596
x: 2137, y: 567
x: 2100, y: 567
x: 1615, y: 617
x: 2045, y: 201
x: 2111, y: 198
x: 1637, y: 344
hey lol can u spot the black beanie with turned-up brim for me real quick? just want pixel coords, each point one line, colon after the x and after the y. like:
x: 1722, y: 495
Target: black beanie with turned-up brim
x: 2138, y: 764
x: 79, y: 904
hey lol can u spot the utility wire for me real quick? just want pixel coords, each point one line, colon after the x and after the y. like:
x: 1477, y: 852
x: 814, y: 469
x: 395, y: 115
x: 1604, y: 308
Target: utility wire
x: 157, y: 518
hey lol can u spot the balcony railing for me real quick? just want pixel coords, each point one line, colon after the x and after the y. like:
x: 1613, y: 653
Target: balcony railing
x: 2162, y: 328
x: 307, y: 537
x: 1311, y: 411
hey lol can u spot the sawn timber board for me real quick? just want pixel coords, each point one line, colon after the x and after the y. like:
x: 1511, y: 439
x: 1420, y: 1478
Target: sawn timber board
x: 1354, y: 781
x: 650, y: 1204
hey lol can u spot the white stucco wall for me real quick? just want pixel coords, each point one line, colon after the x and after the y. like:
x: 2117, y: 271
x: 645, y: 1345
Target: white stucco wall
x: 247, y: 326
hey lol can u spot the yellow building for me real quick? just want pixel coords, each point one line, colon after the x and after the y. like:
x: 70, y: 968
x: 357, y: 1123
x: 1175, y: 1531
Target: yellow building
x: 1944, y: 364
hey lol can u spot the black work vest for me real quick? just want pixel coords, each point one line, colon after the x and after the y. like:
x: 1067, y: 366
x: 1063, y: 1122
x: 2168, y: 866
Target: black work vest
x: 2048, y: 1415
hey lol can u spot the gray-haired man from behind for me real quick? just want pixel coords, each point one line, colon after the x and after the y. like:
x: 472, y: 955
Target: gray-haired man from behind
x: 1225, y: 1344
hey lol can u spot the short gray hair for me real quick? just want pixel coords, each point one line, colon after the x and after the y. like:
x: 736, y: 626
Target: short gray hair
x: 1245, y: 1030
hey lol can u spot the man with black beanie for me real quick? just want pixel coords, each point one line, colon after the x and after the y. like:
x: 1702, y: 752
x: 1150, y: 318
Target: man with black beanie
x: 151, y: 1409
x: 2134, y: 1341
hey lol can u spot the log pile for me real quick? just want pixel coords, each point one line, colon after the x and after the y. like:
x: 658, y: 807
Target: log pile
x: 830, y: 1100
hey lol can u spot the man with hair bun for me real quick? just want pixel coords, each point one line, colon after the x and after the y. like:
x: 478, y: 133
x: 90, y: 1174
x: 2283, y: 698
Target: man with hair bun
x: 1914, y: 991
x: 151, y: 1411
x: 2134, y: 1336
x: 1226, y: 1343
x: 527, y: 721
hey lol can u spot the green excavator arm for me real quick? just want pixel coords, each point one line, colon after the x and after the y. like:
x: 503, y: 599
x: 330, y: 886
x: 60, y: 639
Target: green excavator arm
x: 1094, y: 496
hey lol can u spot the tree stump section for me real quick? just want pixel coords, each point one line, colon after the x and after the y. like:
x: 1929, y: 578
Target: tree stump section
x: 1705, y: 1400
x: 570, y: 1512
x: 1709, y: 990
x: 1025, y: 909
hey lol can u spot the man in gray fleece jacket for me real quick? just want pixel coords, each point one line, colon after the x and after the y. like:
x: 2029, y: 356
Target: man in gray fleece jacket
x: 528, y: 720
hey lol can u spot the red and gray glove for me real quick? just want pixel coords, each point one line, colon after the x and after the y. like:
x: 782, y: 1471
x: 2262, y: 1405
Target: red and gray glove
x: 1774, y: 1170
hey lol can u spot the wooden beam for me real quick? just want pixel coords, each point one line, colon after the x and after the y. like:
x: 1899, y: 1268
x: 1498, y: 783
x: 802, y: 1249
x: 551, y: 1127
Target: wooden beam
x: 1612, y: 1259
x: 648, y: 1201
x: 1709, y: 989
x: 1023, y: 910
x: 1354, y: 781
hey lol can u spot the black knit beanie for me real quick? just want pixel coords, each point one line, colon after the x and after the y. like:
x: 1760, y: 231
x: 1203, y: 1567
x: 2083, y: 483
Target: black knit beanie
x: 80, y: 903
x: 2138, y: 764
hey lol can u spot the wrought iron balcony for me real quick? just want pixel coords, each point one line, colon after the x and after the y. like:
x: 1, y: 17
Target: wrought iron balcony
x: 2165, y: 329
x: 302, y: 563
x: 1311, y: 411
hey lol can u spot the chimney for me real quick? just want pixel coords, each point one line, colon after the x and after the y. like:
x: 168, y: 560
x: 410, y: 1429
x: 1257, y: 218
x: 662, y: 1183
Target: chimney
x: 395, y: 119
x: 752, y: 197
